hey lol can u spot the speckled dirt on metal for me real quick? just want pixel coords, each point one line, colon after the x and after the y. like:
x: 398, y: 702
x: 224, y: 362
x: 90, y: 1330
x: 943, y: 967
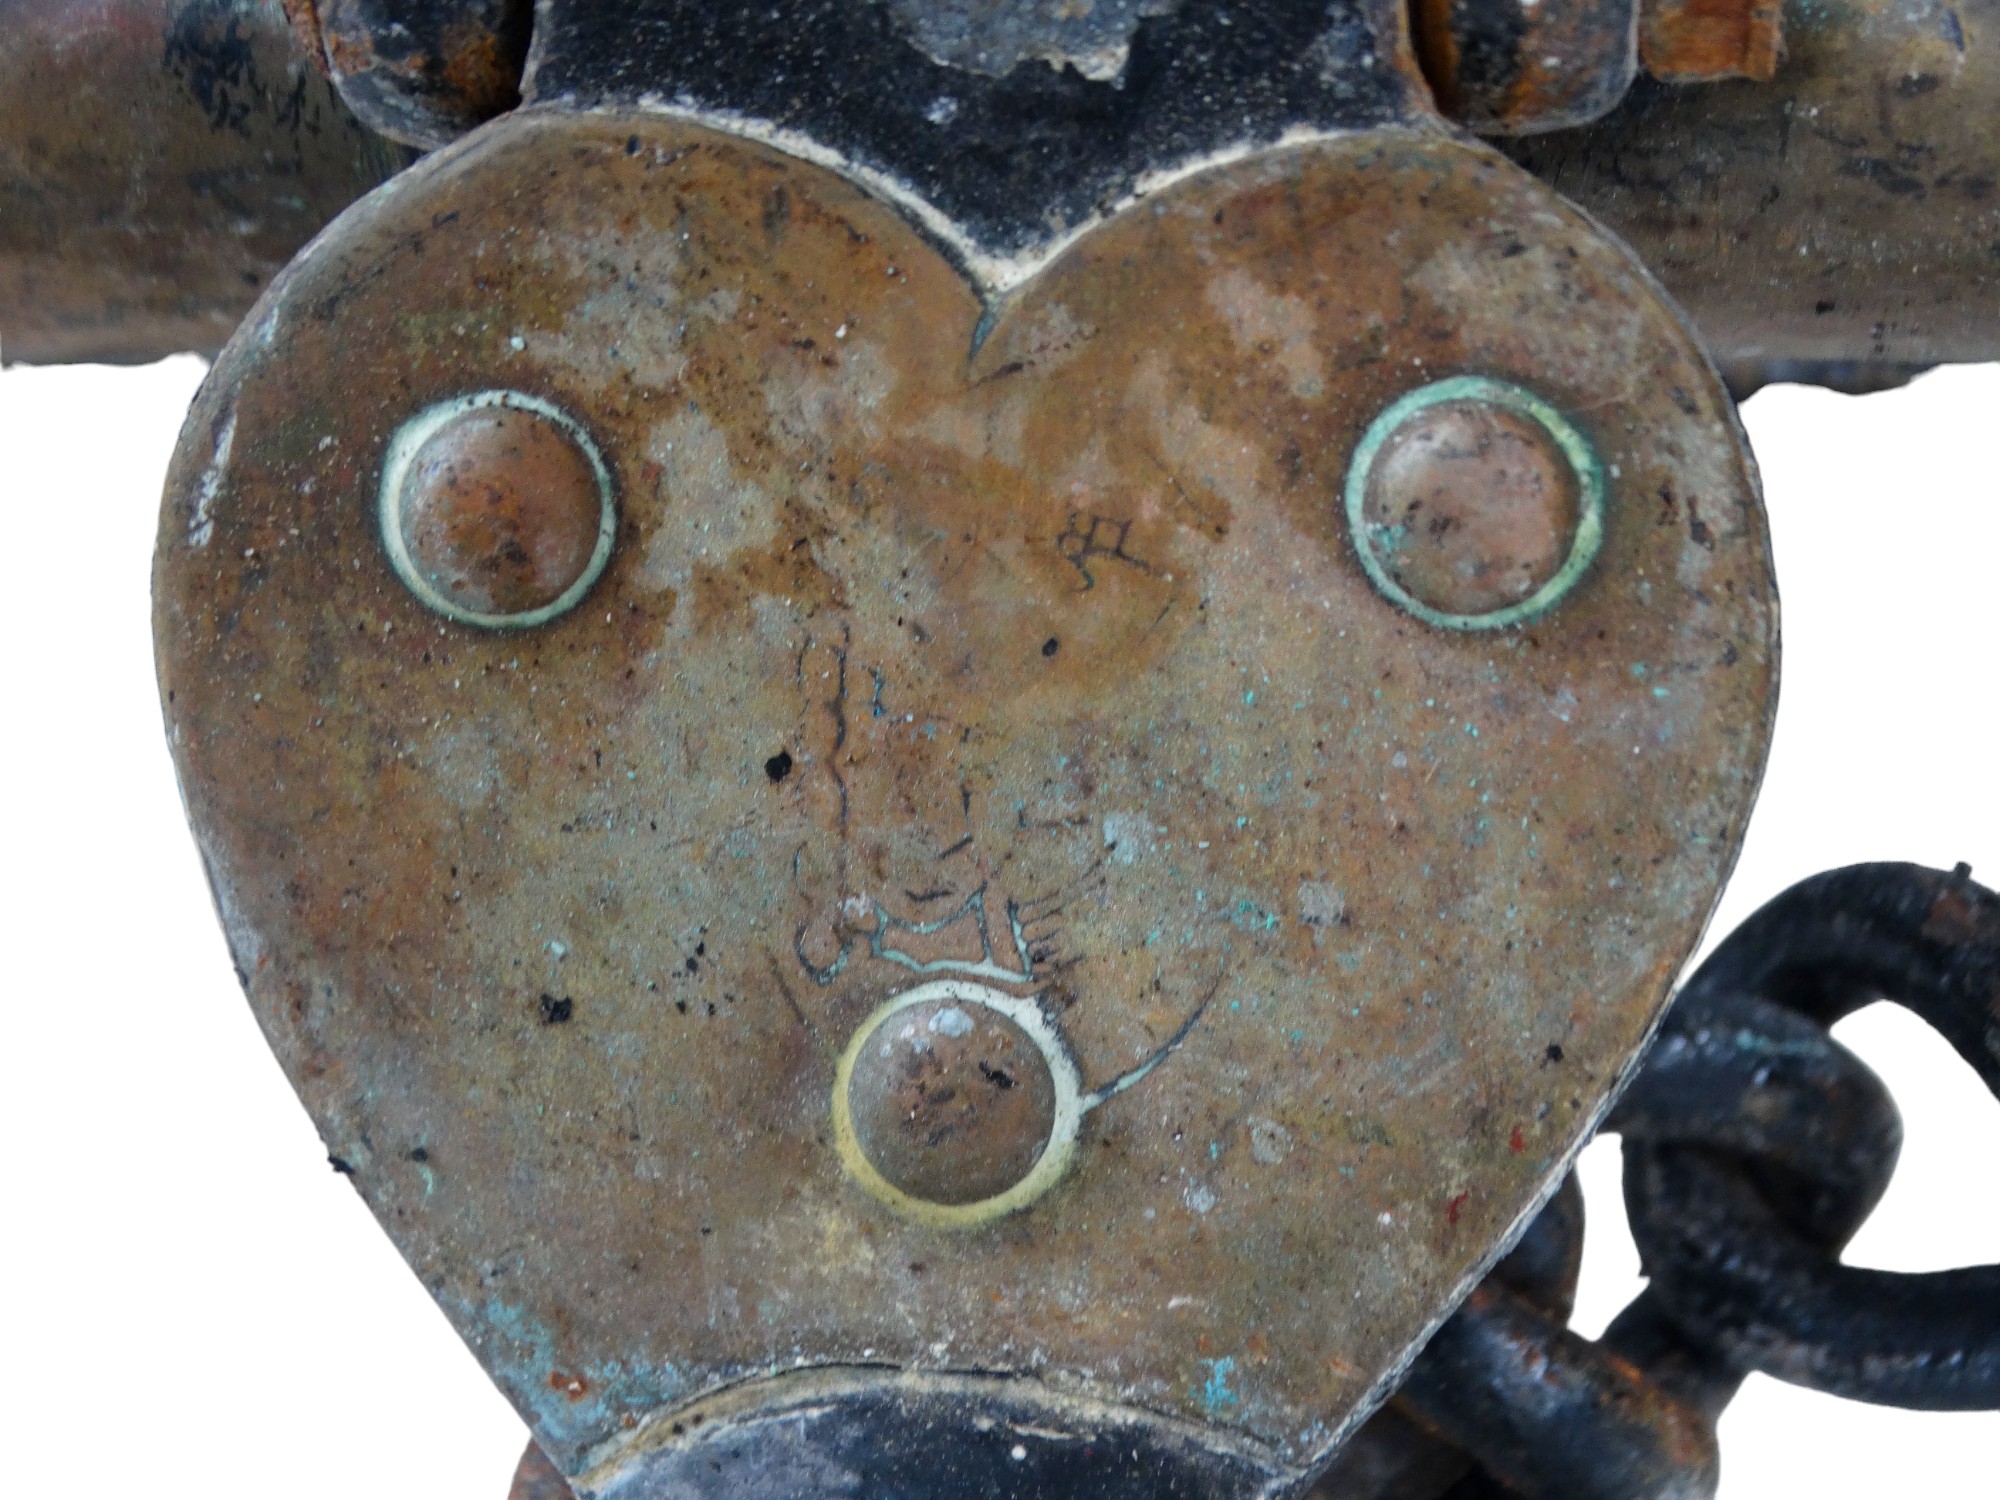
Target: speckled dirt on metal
x: 1024, y: 646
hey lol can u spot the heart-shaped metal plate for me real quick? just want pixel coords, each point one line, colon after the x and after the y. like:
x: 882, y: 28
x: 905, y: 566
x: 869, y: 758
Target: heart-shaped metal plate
x: 780, y: 816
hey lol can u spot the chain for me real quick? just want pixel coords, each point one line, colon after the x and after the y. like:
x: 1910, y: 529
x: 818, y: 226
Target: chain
x: 1755, y: 1146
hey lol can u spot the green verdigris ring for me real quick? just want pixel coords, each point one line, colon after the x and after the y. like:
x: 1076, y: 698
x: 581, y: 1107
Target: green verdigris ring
x: 1474, y: 504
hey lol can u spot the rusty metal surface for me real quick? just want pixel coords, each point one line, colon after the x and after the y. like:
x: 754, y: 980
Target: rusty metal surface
x: 1048, y: 668
x: 159, y: 163
x: 1517, y: 67
x: 1846, y: 211
x: 420, y: 71
x: 1706, y: 41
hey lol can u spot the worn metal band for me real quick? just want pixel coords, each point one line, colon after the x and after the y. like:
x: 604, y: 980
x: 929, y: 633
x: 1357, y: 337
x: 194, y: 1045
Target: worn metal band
x: 1071, y: 1105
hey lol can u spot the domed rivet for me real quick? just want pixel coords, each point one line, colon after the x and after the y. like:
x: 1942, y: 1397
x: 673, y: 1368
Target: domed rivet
x: 1474, y: 504
x: 956, y: 1103
x: 496, y: 509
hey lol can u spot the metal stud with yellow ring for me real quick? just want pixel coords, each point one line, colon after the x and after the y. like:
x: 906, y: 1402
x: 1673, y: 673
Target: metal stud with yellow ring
x: 957, y: 1104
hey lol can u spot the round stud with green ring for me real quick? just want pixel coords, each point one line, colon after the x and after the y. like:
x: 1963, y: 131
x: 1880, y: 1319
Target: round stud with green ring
x: 1474, y: 503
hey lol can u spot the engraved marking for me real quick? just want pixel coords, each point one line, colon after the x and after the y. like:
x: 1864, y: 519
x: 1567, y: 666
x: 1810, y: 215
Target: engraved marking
x: 987, y: 966
x: 1102, y: 537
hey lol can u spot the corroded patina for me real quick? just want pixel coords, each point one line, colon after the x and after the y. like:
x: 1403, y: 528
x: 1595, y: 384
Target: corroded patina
x: 1707, y: 41
x: 1021, y: 645
x: 1475, y: 504
x: 1517, y: 67
x: 420, y: 71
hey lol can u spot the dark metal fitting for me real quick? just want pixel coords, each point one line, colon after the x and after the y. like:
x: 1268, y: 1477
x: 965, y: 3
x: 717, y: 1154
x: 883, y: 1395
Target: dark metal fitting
x: 1522, y: 67
x: 1517, y: 67
x: 422, y: 72
x: 1010, y: 124
x: 1548, y: 1412
x: 1742, y: 1203
x: 1505, y: 1401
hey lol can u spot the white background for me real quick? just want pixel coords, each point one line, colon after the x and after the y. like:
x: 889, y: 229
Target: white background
x: 195, y: 1304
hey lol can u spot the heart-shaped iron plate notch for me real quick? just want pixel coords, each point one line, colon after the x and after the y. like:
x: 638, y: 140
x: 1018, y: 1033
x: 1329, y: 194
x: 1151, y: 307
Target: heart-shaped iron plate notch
x: 1039, y: 664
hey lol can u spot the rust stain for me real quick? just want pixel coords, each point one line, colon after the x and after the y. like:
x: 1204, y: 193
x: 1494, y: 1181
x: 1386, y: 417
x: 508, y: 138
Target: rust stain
x: 304, y: 18
x: 1507, y: 70
x: 482, y: 68
x: 785, y: 569
x: 1707, y: 41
